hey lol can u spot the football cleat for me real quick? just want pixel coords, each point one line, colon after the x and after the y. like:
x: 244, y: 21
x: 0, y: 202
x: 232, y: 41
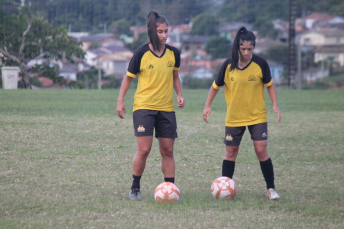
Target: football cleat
x: 272, y: 194
x: 135, y: 194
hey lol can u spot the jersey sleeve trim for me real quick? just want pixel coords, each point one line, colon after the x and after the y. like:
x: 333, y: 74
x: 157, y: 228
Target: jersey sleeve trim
x: 268, y: 84
x: 131, y: 74
x: 215, y: 86
x: 176, y: 69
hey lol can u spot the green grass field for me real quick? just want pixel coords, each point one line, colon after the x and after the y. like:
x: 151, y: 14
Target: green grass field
x: 65, y: 162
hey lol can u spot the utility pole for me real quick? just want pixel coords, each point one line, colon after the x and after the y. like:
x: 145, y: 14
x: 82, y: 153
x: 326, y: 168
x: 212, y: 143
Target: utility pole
x: 99, y: 75
x: 292, y: 45
x: 299, y: 64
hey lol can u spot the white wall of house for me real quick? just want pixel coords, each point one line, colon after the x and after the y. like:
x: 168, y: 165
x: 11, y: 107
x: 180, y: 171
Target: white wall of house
x: 90, y: 58
x: 277, y: 75
x: 312, y: 38
x: 120, y: 67
x: 337, y: 57
x: 319, y: 39
x: 69, y: 75
x: 309, y: 23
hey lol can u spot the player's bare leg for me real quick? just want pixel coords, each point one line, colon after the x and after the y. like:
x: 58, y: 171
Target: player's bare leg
x: 231, y: 153
x: 144, y: 145
x: 167, y: 161
x: 261, y: 148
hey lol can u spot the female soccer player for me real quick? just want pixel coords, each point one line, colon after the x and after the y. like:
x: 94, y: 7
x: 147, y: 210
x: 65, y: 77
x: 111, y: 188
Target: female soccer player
x: 157, y: 65
x: 245, y: 75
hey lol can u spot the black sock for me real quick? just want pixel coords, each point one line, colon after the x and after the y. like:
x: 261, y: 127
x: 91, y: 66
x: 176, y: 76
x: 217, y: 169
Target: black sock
x: 136, y: 182
x: 268, y: 173
x: 169, y: 179
x: 228, y: 168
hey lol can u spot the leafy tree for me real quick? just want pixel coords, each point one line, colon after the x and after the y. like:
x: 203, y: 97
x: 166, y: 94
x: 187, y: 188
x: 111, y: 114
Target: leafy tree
x: 113, y: 83
x: 218, y: 47
x: 24, y: 37
x: 338, y: 9
x: 191, y: 82
x: 205, y: 24
x: 278, y: 53
x: 143, y: 38
x: 88, y: 79
x: 264, y: 27
x: 120, y: 26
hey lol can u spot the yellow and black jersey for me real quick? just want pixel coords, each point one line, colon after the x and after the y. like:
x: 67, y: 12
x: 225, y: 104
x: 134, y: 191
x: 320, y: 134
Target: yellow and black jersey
x: 244, y: 91
x: 155, y: 78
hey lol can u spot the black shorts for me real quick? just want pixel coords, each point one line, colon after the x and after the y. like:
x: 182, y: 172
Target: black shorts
x: 233, y: 135
x: 164, y: 123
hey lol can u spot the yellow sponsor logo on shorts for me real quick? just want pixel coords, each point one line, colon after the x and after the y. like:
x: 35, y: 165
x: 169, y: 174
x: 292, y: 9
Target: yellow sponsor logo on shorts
x: 229, y: 137
x: 141, y: 128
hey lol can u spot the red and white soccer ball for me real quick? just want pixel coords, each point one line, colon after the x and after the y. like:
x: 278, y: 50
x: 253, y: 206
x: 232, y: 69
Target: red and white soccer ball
x: 166, y: 192
x: 223, y: 188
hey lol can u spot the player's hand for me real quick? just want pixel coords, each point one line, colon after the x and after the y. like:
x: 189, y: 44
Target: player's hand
x: 276, y: 110
x: 206, y: 113
x: 181, y: 102
x: 121, y: 109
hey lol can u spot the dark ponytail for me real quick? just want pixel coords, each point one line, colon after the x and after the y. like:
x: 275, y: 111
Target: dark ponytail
x: 153, y: 19
x: 242, y: 35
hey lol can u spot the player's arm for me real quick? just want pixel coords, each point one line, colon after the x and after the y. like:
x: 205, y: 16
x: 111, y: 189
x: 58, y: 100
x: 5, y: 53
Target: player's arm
x: 273, y: 97
x: 124, y: 88
x: 207, y: 109
x: 178, y: 88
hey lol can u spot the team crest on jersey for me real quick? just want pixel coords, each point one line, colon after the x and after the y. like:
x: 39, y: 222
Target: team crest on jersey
x: 151, y: 66
x: 232, y: 78
x: 170, y: 64
x: 252, y: 78
x: 229, y: 138
x: 141, y: 128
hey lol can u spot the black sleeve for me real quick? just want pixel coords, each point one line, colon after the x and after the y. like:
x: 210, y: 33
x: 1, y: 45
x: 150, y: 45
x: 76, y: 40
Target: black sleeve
x: 220, y: 80
x: 265, y: 69
x: 176, y: 55
x: 135, y: 62
x: 266, y: 73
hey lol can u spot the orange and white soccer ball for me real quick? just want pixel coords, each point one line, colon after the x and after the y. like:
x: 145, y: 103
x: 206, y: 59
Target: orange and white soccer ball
x: 166, y: 192
x: 223, y: 188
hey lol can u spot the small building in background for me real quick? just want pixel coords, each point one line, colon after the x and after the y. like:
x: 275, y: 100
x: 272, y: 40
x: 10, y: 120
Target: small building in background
x: 101, y: 39
x: 113, y: 60
x: 276, y: 72
x: 333, y: 53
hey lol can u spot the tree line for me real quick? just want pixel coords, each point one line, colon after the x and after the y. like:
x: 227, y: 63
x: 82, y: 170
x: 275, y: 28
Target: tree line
x: 41, y: 26
x: 119, y: 15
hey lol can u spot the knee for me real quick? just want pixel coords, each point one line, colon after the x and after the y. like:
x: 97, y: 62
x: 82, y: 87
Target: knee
x: 143, y: 152
x: 262, y: 153
x: 231, y: 153
x: 166, y: 151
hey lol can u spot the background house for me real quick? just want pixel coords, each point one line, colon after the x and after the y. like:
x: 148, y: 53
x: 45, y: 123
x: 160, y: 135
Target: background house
x: 229, y: 30
x: 333, y: 53
x: 113, y: 60
x: 102, y: 39
x: 193, y: 45
x: 321, y: 37
x: 70, y: 71
x: 276, y: 72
